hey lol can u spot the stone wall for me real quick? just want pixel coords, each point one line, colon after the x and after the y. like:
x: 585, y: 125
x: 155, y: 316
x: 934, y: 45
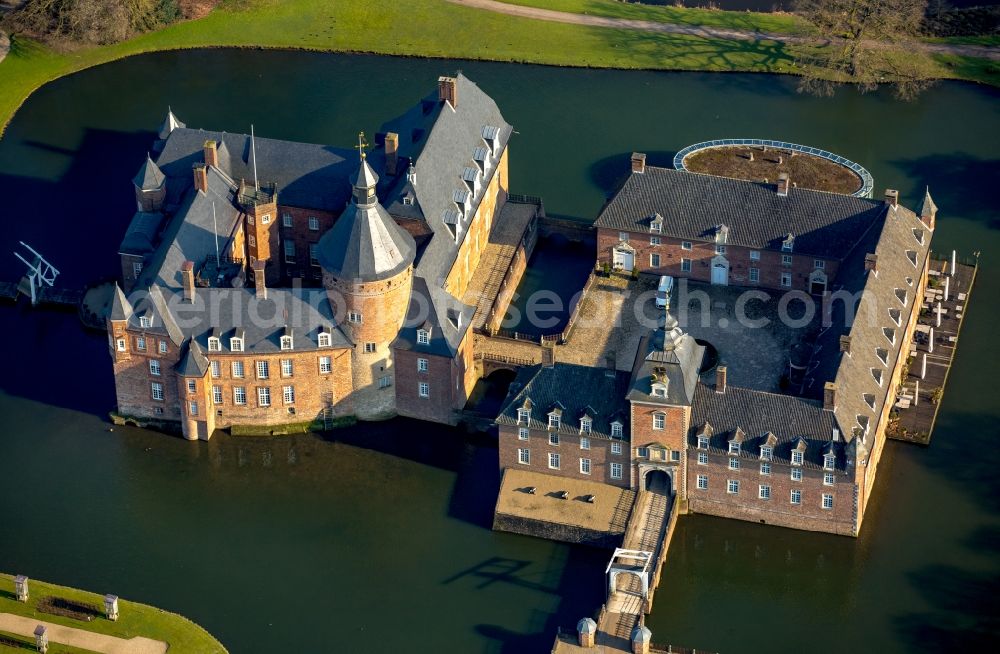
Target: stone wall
x: 555, y: 531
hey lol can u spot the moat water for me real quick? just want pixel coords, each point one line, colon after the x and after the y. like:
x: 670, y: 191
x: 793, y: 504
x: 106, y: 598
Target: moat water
x: 379, y: 541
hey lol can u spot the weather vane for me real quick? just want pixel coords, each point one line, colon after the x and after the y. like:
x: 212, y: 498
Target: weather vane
x: 362, y: 144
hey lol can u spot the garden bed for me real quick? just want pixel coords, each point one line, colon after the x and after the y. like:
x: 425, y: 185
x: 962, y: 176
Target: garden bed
x: 762, y: 163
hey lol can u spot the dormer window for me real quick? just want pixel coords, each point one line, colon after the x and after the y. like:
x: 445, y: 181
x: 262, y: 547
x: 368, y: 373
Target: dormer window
x: 490, y: 135
x: 423, y: 336
x: 766, y: 453
x: 895, y: 315
x: 703, y: 442
x: 462, y: 198
x: 909, y: 281
x: 912, y: 256
x: 586, y: 424
x: 734, y: 447
x: 788, y: 243
x: 883, y: 355
x: 523, y: 416
x: 796, y: 458
x: 471, y: 177
x: 659, y: 389
x: 889, y: 333
x: 481, y: 156
x: 863, y: 422
x: 408, y: 200
x: 919, y: 235
x: 213, y: 344
x: 869, y: 400
x: 829, y: 460
x: 324, y: 339
x: 286, y: 342
x: 901, y: 296
x: 616, y: 429
x: 554, y: 420
x: 236, y: 344
x: 656, y: 223
x: 145, y: 321
x: 877, y: 375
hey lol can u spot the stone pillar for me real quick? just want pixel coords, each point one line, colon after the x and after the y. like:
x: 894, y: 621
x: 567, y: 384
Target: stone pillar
x: 21, y: 588
x: 111, y: 607
x: 641, y: 637
x: 41, y: 639
x: 586, y: 632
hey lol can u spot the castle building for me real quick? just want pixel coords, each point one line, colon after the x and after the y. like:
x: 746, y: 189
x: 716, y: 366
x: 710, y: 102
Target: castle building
x: 268, y: 282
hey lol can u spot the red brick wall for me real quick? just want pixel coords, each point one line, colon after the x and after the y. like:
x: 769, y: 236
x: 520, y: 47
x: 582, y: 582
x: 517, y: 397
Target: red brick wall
x: 128, y: 271
x: 300, y: 234
x: 569, y: 453
x: 672, y: 436
x: 133, y: 381
x: 451, y: 381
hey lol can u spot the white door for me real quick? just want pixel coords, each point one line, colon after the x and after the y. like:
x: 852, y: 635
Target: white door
x: 720, y: 273
x: 624, y: 260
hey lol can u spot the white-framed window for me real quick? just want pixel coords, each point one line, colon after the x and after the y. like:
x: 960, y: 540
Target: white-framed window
x: 236, y: 344
x: 324, y: 339
x: 136, y: 268
x: 369, y: 347
x: 733, y: 487
x: 524, y: 456
x: 819, y: 263
x: 313, y: 223
x: 586, y: 425
x: 140, y: 343
x: 523, y: 416
x: 554, y: 460
x: 755, y: 274
x: 214, y: 345
x: 654, y: 260
x: 685, y: 265
x: 764, y: 492
x: 286, y: 219
x: 325, y: 365
x: 422, y: 365
x: 659, y: 421
x: 788, y: 244
x: 616, y: 448
x: 423, y: 336
x: 685, y: 245
x: 585, y: 466
x: 786, y: 260
x: 827, y: 501
x: 154, y: 367
x: 584, y: 443
x: 286, y: 368
x: 157, y: 390
x: 238, y: 371
x: 828, y: 461
x: 702, y: 482
x: 313, y: 254
x: 353, y: 316
x: 239, y: 395
x: 554, y: 421
x: 289, y: 251
x: 796, y: 458
x: 796, y: 497
x: 766, y: 452
x: 385, y: 381
x: 145, y: 321
x: 765, y: 468
x: 654, y: 240
x: 424, y: 389
x: 642, y: 452
x: 193, y: 408
x: 163, y: 347
x: 192, y: 386
x: 702, y: 458
x: 217, y: 394
x: 616, y: 471
x: 286, y: 342
x: 796, y: 474
x: 263, y: 370
x: 754, y: 255
x: 623, y: 236
x: 263, y: 396
x: 265, y: 219
x: 786, y: 279
x: 703, y: 442
x: 828, y: 479
x: 720, y: 249
x: 734, y: 447
x: 734, y: 463
x: 553, y: 438
x: 288, y: 394
x: 216, y: 369
x: 523, y: 433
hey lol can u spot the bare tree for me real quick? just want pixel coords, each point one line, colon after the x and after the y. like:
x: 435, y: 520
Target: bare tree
x: 89, y: 21
x: 865, y: 45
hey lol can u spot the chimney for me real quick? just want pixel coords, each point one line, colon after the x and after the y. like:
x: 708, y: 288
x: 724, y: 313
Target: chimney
x: 391, y: 152
x: 871, y: 262
x: 783, y: 184
x: 829, y: 396
x: 201, y: 178
x: 187, y: 280
x: 448, y: 91
x: 548, y: 356
x: 586, y: 631
x: 638, y: 162
x: 720, y: 379
x: 845, y: 344
x: 892, y: 197
x: 211, y: 150
x: 258, y: 279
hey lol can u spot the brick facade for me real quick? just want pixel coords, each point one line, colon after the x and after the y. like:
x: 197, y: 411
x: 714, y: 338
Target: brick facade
x: 302, y: 235
x: 570, y: 453
x: 449, y: 380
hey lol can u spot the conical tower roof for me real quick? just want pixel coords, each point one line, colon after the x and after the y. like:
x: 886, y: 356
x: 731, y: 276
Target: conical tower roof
x: 170, y: 123
x: 121, y: 308
x: 194, y: 362
x: 149, y: 177
x: 928, y: 208
x: 365, y: 177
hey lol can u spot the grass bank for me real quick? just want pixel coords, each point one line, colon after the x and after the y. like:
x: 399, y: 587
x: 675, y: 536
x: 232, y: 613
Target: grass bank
x: 433, y: 28
x: 134, y: 620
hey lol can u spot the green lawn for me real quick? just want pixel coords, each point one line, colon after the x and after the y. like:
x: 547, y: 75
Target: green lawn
x: 135, y: 619
x: 28, y: 645
x: 431, y: 28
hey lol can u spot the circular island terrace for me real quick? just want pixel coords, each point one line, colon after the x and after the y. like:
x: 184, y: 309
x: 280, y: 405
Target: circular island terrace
x: 764, y: 160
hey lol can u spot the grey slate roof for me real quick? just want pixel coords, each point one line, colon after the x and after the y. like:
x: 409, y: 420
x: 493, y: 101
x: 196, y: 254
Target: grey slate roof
x: 667, y: 352
x: 149, y: 177
x: 693, y: 205
x: 170, y: 123
x: 928, y: 207
x: 577, y: 389
x: 432, y: 307
x: 121, y: 308
x: 307, y: 175
x: 140, y: 238
x: 193, y: 363
x: 153, y: 304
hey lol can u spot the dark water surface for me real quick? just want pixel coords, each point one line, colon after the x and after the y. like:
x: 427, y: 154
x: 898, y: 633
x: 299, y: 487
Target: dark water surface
x: 305, y: 544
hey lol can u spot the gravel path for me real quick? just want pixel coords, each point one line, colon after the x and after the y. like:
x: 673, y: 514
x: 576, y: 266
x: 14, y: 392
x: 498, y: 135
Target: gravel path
x: 87, y: 640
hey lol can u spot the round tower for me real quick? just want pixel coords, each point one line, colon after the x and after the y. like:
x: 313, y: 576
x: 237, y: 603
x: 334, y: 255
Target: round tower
x: 367, y: 262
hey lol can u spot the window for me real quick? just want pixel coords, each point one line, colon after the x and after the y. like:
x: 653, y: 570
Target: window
x: 353, y: 316
x: 263, y: 396
x: 765, y: 492
x: 286, y: 219
x: 236, y: 344
x: 675, y: 455
x: 239, y: 395
x: 193, y: 407
x: 703, y: 442
x: 765, y: 468
x: 288, y: 394
x: 733, y: 487
x: 522, y: 433
x: 786, y: 279
x: 324, y: 339
x: 796, y: 497
x: 616, y: 448
x: 314, y: 223
x: 136, y: 268
x: 157, y: 389
x: 154, y: 367
x: 654, y: 260
x: 786, y: 260
x: 734, y: 447
x: 796, y: 458
x: 584, y: 443
x: 238, y: 369
x: 286, y: 368
x: 289, y: 251
x: 659, y: 421
x: 163, y: 347
x: 423, y: 336
x: 213, y: 344
x: 145, y: 321
x: 754, y: 255
x: 702, y: 482
x: 313, y: 254
x: 796, y: 474
x: 685, y: 245
x: 421, y: 365
x: 286, y: 342
x: 827, y: 501
x: 702, y: 458
x: 755, y: 274
x: 523, y: 416
x: 265, y: 219
x: 828, y: 461
x: 554, y: 460
x: 324, y: 365
x: 828, y: 479
x: 734, y: 463
x: 720, y: 249
x: 424, y: 389
x: 553, y: 438
x: 819, y: 264
x: 524, y: 456
x: 369, y: 347
x: 192, y: 386
x: 616, y: 471
x: 654, y: 240
x: 217, y: 394
x: 642, y: 452
x: 384, y: 381
x: 216, y: 369
x: 140, y: 343
x: 585, y: 466
x: 554, y: 421
x: 586, y: 424
x: 263, y: 370
x: 685, y: 265
x: 788, y: 243
x: 623, y: 236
